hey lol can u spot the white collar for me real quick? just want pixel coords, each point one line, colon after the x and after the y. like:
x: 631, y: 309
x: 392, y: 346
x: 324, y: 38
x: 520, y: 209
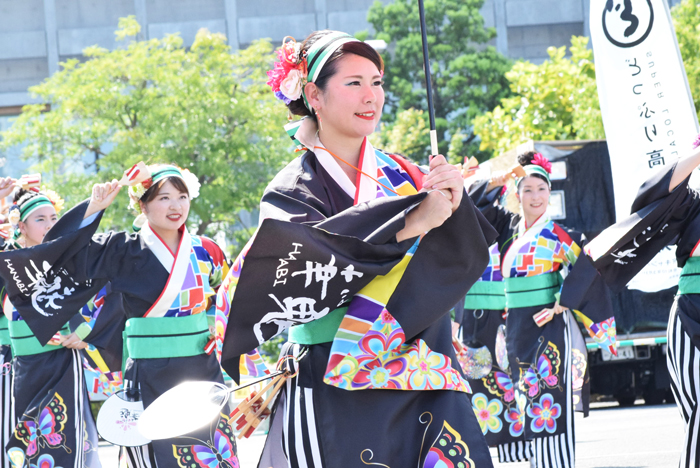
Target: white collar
x: 367, y: 189
x: 537, y: 225
x: 162, y: 252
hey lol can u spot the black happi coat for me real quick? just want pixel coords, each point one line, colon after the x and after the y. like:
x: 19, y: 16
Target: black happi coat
x: 392, y: 427
x: 47, y: 382
x: 87, y: 261
x: 658, y: 219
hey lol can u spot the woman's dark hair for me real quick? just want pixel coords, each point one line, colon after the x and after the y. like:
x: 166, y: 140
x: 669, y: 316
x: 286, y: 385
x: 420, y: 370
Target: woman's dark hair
x: 153, y: 190
x: 525, y: 159
x: 331, y: 67
x: 23, y: 195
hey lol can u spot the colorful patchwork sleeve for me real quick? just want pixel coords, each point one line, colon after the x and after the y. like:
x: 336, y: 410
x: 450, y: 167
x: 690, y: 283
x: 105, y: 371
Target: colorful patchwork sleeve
x: 90, y: 312
x: 224, y: 296
x: 220, y: 264
x: 370, y: 350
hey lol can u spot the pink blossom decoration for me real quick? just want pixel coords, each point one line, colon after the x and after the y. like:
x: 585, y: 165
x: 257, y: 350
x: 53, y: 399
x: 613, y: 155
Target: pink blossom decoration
x: 696, y: 143
x: 288, y: 76
x: 543, y: 162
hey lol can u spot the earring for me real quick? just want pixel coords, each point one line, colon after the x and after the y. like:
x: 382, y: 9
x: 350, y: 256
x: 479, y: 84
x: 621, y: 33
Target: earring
x: 318, y: 117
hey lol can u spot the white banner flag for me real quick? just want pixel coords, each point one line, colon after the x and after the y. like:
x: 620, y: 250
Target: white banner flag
x: 647, y: 109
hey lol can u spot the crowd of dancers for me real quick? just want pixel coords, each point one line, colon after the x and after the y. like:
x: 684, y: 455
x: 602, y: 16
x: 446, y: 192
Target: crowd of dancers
x: 359, y: 258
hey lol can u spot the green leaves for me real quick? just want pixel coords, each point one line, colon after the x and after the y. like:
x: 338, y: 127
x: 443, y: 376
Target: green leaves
x: 685, y: 19
x: 203, y: 108
x: 557, y: 100
x: 468, y: 76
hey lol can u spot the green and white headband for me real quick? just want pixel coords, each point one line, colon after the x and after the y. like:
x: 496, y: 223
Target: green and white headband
x: 319, y: 53
x: 531, y: 169
x: 540, y: 166
x: 141, y: 177
x: 32, y: 204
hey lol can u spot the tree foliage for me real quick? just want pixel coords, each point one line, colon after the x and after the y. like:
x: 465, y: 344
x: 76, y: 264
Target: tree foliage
x: 685, y: 20
x: 556, y: 100
x: 203, y: 108
x: 407, y: 135
x: 468, y: 76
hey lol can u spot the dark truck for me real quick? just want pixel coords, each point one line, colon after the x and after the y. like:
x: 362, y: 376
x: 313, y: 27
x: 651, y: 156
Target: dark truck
x: 582, y: 199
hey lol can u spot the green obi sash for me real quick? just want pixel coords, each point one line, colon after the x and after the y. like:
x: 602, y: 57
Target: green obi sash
x: 165, y: 337
x: 531, y: 291
x: 487, y: 295
x: 689, y: 283
x: 322, y: 330
x: 24, y: 343
x: 4, y: 331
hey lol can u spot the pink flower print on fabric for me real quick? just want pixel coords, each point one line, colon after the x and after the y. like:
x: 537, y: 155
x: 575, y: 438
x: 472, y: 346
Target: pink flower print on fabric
x: 426, y: 368
x: 544, y: 414
x: 381, y: 360
x: 224, y: 297
x: 516, y: 418
x: 387, y: 319
x: 44, y: 461
x: 375, y: 370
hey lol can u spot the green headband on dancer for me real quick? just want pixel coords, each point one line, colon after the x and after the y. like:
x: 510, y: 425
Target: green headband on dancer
x: 31, y: 205
x: 140, y: 178
x: 164, y: 172
x: 320, y: 52
x: 540, y: 166
x: 531, y: 169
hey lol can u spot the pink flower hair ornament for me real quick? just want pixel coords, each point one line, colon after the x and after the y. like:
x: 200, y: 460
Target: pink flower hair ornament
x: 540, y: 160
x: 696, y: 143
x: 289, y: 74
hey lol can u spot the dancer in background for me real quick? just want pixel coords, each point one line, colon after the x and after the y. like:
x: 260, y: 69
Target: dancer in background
x: 544, y: 275
x: 7, y: 412
x: 167, y: 279
x: 54, y: 423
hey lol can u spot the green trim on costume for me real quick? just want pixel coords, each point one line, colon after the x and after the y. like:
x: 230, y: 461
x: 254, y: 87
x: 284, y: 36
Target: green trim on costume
x: 166, y: 337
x: 4, y: 331
x: 530, y: 291
x: 636, y: 342
x: 83, y: 330
x: 319, y: 331
x: 689, y: 282
x: 487, y: 295
x: 24, y: 343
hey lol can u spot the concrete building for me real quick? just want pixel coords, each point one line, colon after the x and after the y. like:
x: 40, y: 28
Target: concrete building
x: 36, y: 35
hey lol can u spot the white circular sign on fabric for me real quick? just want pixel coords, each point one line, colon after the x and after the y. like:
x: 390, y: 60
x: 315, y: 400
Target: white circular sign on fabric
x: 117, y: 421
x: 627, y: 24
